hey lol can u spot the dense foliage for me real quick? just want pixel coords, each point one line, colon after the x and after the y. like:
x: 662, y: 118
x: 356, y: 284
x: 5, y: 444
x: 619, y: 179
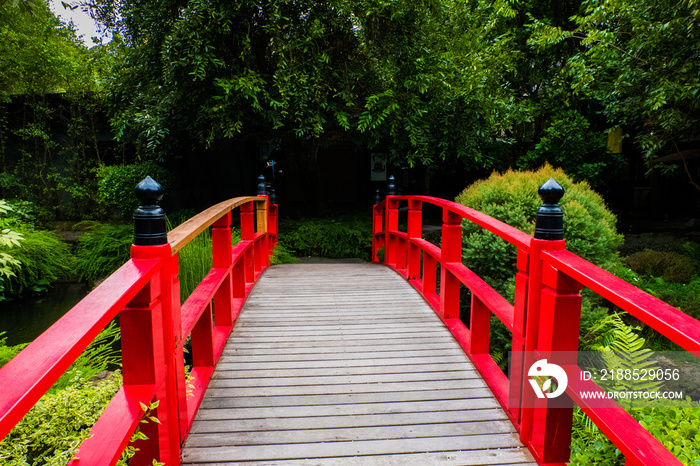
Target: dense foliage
x: 102, y: 250
x: 51, y: 111
x: 589, y: 227
x: 30, y: 259
x: 347, y: 237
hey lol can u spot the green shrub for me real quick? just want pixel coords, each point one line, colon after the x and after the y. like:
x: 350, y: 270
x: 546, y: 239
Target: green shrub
x: 673, y: 267
x: 683, y: 296
x: 345, y: 237
x: 44, y: 259
x: 589, y: 227
x: 282, y: 256
x: 116, y: 184
x: 677, y: 428
x: 102, y: 250
x: 8, y: 352
x: 52, y: 430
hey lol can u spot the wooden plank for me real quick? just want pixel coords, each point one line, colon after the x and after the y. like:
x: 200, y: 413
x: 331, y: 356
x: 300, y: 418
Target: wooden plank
x: 346, y: 364
x: 356, y: 434
x: 357, y: 409
x: 501, y: 457
x: 341, y: 399
x: 355, y: 370
x: 346, y: 422
x: 364, y: 447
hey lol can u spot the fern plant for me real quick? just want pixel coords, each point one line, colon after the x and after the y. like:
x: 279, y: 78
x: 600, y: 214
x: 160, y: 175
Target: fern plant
x: 612, y: 345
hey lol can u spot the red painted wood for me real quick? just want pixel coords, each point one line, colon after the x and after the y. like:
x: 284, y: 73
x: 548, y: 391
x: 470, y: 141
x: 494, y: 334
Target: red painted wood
x: 195, y: 304
x: 532, y: 325
x: 392, y: 225
x: 197, y: 384
x: 493, y: 376
x: 451, y: 252
x: 479, y: 326
x: 428, y: 248
x: 169, y: 375
x: 560, y: 315
x: 505, y: 231
x: 429, y: 282
x: 377, y: 230
x: 141, y: 323
x: 674, y: 324
x: 37, y: 367
x: 544, y: 318
x: 113, y: 430
x: 146, y: 292
x: 488, y: 296
x: 248, y: 221
x: 203, y: 340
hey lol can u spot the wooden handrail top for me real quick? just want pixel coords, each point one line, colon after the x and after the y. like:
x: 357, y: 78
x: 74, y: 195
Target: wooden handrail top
x: 184, y: 233
x: 511, y: 234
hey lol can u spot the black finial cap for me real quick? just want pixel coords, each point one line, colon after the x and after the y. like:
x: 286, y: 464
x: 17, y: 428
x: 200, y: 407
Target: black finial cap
x: 273, y: 195
x: 262, y: 186
x: 377, y: 196
x: 550, y: 218
x: 391, y: 186
x: 149, y: 218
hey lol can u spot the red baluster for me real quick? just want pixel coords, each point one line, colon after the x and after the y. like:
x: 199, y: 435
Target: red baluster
x: 451, y: 252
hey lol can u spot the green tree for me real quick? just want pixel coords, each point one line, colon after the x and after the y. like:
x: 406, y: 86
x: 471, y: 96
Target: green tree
x: 639, y: 59
x: 49, y: 106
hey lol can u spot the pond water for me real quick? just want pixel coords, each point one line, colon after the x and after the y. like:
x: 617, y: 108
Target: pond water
x: 25, y: 319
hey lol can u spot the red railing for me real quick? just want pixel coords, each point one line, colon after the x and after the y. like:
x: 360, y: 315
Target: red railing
x: 544, y: 321
x: 144, y: 293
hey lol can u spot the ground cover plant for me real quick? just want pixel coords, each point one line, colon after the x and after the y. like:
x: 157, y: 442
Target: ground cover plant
x: 53, y: 429
x: 347, y: 236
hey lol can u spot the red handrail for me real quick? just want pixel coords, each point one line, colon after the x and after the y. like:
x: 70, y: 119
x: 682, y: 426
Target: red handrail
x: 544, y: 319
x: 144, y: 292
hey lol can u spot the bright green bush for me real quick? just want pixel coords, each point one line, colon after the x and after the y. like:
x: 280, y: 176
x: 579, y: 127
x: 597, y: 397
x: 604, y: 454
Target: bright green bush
x: 8, y: 352
x: 52, y: 431
x: 116, y: 184
x: 589, y: 227
x: 345, y: 237
x: 102, y: 250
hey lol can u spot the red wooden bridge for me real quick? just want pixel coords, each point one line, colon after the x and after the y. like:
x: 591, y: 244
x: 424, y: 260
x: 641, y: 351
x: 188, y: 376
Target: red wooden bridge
x: 340, y: 363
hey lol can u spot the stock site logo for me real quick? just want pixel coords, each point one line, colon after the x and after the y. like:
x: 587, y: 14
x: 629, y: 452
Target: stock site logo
x: 542, y: 369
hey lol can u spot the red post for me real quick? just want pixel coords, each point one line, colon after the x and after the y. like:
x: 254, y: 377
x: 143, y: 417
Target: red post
x: 262, y: 256
x: 479, y: 327
x: 141, y: 325
x: 551, y: 323
x: 516, y: 379
x: 415, y: 229
x: 392, y: 225
x: 560, y: 317
x: 451, y: 252
x: 377, y: 229
x: 221, y: 255
x: 272, y: 225
x: 248, y: 234
x: 429, y: 274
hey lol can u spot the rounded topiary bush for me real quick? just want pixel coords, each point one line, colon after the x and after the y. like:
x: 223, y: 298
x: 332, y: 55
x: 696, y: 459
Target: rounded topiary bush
x: 589, y: 226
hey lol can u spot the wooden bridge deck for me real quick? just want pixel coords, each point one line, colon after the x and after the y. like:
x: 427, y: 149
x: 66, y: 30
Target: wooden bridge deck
x: 345, y: 364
